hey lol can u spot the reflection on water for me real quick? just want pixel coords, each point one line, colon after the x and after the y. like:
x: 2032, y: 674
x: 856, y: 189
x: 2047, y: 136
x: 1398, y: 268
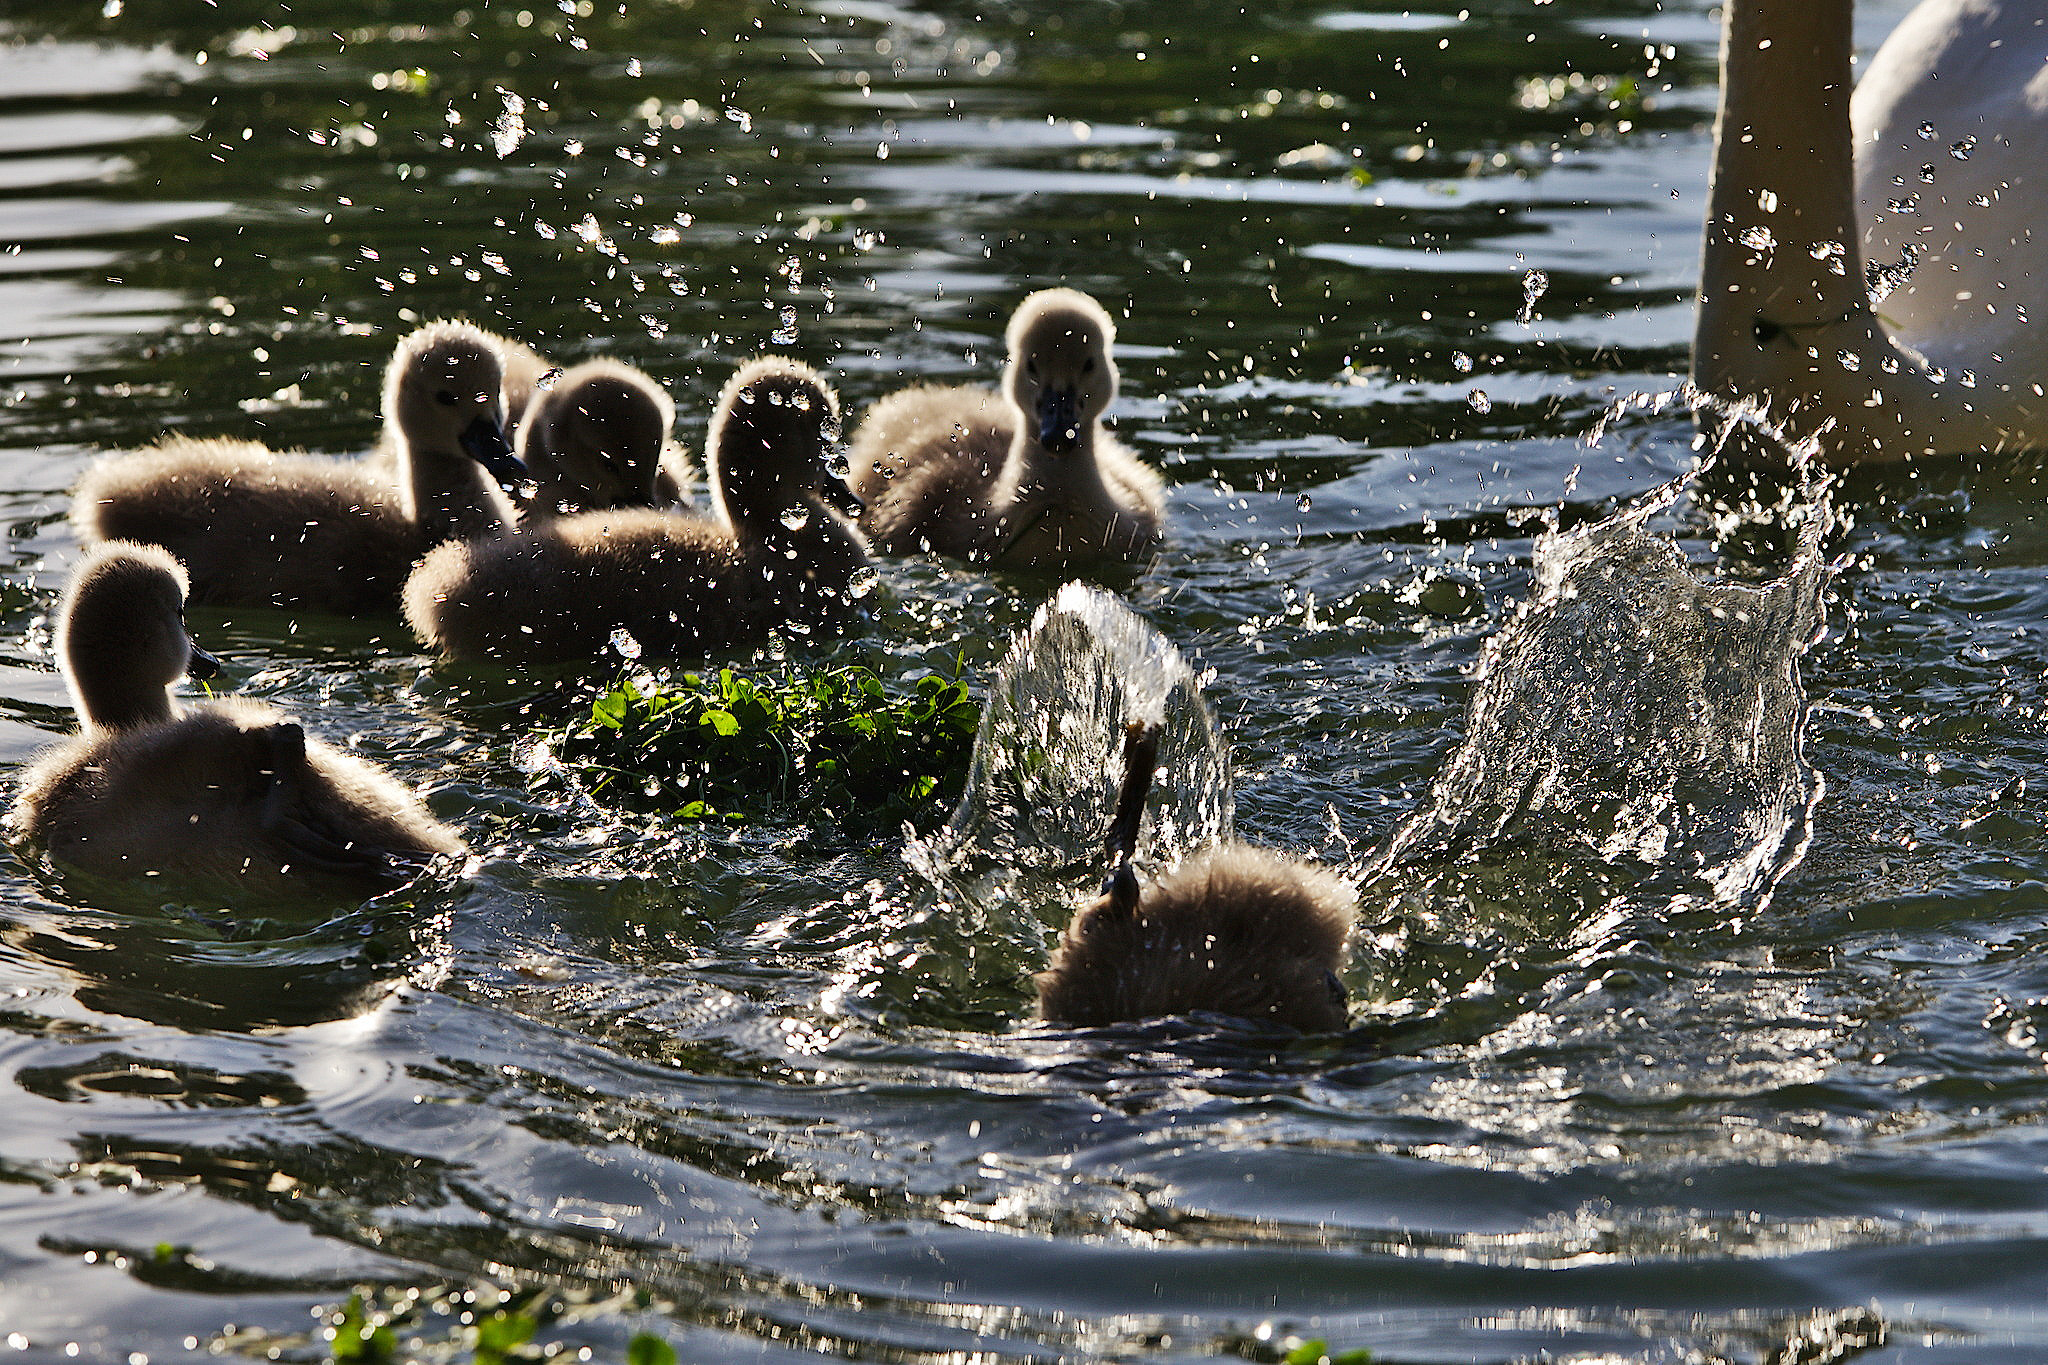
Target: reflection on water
x: 744, y: 1088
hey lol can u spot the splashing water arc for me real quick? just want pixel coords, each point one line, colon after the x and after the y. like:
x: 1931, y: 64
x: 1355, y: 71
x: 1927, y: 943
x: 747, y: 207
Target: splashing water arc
x: 1635, y: 712
x: 1046, y: 762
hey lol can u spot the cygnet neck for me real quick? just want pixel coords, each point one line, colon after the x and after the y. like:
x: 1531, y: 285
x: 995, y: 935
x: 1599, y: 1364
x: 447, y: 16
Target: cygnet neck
x: 1030, y: 470
x: 448, y: 494
x: 110, y: 694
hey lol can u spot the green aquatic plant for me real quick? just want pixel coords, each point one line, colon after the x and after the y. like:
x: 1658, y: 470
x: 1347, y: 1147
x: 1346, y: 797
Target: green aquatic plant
x: 1316, y: 1351
x: 358, y: 1340
x: 726, y: 746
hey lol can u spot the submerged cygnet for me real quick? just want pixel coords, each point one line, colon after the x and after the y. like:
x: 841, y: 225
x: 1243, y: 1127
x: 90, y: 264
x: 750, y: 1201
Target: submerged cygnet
x: 1231, y: 929
x: 777, y: 558
x: 1024, y: 477
x: 599, y: 438
x: 258, y: 528
x: 229, y: 790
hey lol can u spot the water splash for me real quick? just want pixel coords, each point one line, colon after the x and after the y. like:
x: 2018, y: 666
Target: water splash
x: 1047, y: 762
x: 1636, y: 713
x: 961, y: 937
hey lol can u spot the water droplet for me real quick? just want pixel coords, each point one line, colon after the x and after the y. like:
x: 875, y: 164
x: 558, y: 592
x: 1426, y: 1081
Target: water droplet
x: 796, y: 518
x: 1304, y: 503
x: 509, y: 129
x: 1961, y: 150
x: 1767, y: 200
x: 1479, y: 400
x: 1927, y: 131
x: 624, y: 644
x: 1533, y: 285
x: 632, y: 66
x: 1758, y: 238
x: 1849, y: 360
x: 1927, y: 174
x: 1461, y: 362
x: 550, y: 379
x: 864, y: 581
x: 785, y: 335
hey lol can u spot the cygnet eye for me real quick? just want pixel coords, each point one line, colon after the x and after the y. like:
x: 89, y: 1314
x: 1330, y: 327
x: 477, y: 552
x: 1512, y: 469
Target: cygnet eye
x: 446, y: 398
x: 1089, y: 367
x: 1031, y: 368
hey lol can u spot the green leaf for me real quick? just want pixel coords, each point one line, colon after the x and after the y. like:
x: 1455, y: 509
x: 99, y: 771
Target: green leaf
x: 355, y: 1340
x: 721, y: 721
x: 649, y: 1349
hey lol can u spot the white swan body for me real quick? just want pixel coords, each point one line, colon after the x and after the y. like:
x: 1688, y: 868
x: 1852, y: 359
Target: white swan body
x: 1951, y: 123
x: 1785, y: 320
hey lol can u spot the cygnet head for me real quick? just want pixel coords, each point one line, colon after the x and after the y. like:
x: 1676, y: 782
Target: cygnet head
x: 770, y: 438
x: 1059, y: 374
x: 1232, y: 930
x: 443, y: 391
x: 600, y: 429
x: 121, y: 635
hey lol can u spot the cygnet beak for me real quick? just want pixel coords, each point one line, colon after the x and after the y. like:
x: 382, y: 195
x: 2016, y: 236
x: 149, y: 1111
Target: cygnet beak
x: 201, y: 665
x: 484, y: 440
x: 1059, y: 420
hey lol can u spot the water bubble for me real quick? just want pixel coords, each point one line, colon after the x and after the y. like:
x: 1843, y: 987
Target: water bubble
x: 1961, y: 150
x: 1480, y: 401
x: 1533, y: 285
x: 624, y: 644
x: 1461, y: 362
x: 1927, y: 131
x: 1304, y: 503
x: 796, y: 518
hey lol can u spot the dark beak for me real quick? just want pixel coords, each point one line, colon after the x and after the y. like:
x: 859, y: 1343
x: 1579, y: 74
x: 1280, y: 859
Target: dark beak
x: 201, y: 665
x: 1141, y: 761
x: 1059, y: 420
x: 484, y: 440
x: 837, y: 494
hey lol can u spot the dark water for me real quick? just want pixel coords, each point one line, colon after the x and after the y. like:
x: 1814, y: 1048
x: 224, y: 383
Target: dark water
x: 659, y: 1071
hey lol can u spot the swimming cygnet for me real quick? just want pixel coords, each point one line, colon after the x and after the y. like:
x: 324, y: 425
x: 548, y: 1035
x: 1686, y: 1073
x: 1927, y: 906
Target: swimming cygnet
x: 1024, y: 477
x: 228, y: 790
x: 776, y: 558
x: 599, y: 438
x: 259, y: 528
x: 1231, y: 929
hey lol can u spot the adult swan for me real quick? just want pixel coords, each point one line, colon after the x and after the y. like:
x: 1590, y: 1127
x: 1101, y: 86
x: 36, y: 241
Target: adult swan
x: 1953, y: 363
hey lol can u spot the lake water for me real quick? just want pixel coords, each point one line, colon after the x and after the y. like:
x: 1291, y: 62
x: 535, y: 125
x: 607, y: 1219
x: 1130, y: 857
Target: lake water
x: 649, y: 1069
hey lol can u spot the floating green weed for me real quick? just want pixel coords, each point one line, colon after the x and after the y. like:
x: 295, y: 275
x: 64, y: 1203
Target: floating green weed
x: 1318, y: 1352
x: 359, y: 1341
x: 726, y: 746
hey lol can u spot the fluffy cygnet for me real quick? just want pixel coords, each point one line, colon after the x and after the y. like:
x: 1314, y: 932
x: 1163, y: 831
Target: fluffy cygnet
x: 776, y: 559
x: 1231, y: 929
x: 599, y: 438
x: 255, y: 527
x: 225, y: 791
x: 1024, y: 477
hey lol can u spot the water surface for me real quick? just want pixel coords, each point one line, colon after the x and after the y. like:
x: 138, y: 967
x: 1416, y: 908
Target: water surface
x: 642, y: 1065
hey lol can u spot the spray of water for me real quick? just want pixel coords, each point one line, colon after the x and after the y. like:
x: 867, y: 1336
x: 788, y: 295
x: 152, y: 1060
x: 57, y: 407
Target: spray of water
x: 1638, y: 727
